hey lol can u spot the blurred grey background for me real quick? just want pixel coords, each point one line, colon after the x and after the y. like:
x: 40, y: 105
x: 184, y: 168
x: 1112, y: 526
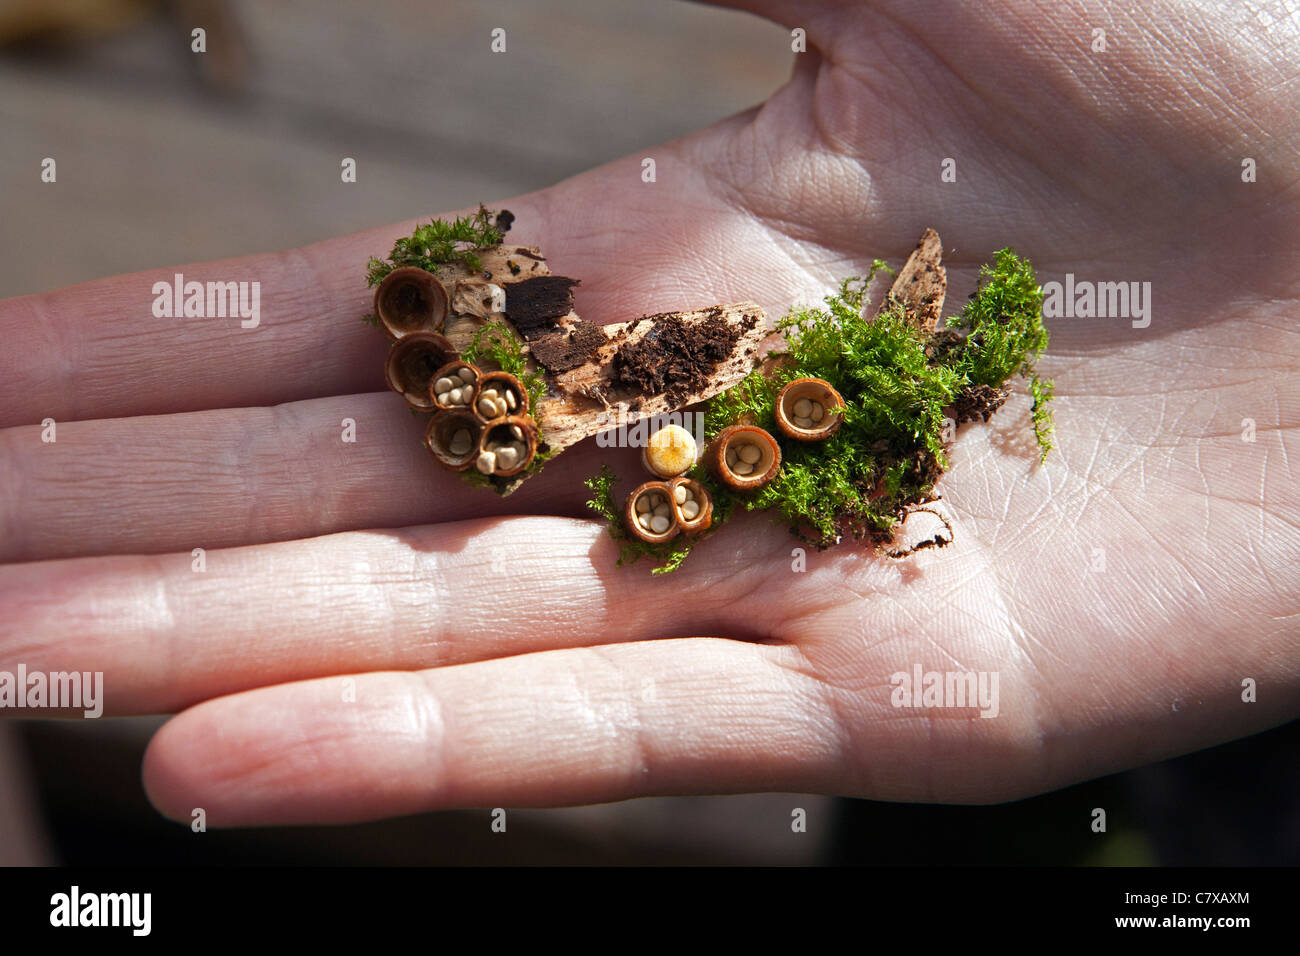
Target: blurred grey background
x: 165, y: 157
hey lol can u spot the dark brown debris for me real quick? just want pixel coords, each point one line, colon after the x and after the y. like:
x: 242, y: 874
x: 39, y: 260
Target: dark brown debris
x: 675, y: 358
x: 568, y: 348
x: 978, y: 401
x: 533, y: 305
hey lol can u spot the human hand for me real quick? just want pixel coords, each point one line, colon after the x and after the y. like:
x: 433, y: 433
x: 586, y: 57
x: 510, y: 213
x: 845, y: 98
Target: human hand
x: 576, y: 681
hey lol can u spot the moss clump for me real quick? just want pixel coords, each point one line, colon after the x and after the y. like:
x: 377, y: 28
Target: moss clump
x: 1003, y: 322
x: 888, y: 450
x: 496, y: 345
x: 671, y: 554
x: 1004, y: 335
x: 898, y: 382
x: 441, y: 242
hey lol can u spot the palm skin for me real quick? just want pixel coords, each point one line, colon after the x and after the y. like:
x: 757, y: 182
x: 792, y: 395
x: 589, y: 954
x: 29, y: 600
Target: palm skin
x: 488, y: 652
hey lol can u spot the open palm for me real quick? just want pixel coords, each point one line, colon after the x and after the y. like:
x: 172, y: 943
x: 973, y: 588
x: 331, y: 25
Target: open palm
x: 371, y: 637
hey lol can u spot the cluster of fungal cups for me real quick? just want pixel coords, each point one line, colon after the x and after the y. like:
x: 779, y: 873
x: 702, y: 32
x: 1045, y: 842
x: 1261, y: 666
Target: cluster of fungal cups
x: 746, y: 457
x: 742, y: 457
x: 480, y: 418
x: 659, y: 510
x: 486, y: 426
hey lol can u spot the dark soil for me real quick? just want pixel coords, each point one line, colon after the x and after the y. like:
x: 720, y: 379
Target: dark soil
x: 978, y: 401
x: 676, y: 358
x: 942, y: 344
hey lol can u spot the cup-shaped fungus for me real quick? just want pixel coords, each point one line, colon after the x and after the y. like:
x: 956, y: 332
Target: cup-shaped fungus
x: 744, y: 457
x: 500, y: 394
x: 411, y: 299
x: 453, y: 385
x: 649, y: 515
x: 507, y: 446
x: 670, y: 451
x: 453, y: 438
x: 809, y: 409
x: 413, y: 364
x: 692, y: 504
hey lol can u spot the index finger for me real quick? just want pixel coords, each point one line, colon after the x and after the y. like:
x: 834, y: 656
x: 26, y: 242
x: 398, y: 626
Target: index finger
x: 100, y: 350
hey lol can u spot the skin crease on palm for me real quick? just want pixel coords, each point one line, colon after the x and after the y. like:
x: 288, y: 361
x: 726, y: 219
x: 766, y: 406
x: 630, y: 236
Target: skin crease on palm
x: 559, y: 678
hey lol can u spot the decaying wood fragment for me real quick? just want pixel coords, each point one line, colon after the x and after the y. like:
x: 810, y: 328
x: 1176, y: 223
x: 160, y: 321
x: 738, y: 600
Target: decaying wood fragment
x: 922, y: 283
x: 588, y: 397
x: 925, y: 525
x: 579, y: 358
x: 474, y: 295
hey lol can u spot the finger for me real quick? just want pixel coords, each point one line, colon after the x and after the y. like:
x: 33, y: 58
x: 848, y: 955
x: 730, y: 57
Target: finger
x: 96, y: 350
x: 224, y: 478
x: 167, y: 632
x: 562, y: 727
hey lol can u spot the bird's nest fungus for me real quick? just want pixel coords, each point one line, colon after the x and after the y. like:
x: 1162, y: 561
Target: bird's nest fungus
x: 839, y: 430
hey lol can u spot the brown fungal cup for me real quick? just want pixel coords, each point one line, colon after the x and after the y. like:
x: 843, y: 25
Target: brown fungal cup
x: 730, y: 461
x: 809, y: 409
x: 507, y: 445
x: 650, y: 507
x: 453, y: 438
x: 453, y: 385
x: 411, y: 299
x: 413, y: 364
x: 692, y: 505
x: 500, y: 394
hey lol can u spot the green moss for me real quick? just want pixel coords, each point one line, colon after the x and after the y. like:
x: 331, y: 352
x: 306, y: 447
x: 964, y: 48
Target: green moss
x: 1043, y: 425
x: 1004, y: 319
x: 495, y: 345
x: 888, y: 451
x: 671, y: 554
x: 440, y: 242
x: 1005, y: 335
x: 897, y: 381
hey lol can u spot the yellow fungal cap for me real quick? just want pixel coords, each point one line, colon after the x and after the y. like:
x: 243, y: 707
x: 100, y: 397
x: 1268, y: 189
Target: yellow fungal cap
x: 671, y: 451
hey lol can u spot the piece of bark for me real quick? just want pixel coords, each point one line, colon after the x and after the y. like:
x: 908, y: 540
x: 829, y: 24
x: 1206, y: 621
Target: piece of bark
x: 921, y: 284
x: 535, y: 304
x: 587, y: 397
x: 925, y: 525
x: 578, y: 356
x: 568, y: 347
x: 473, y: 300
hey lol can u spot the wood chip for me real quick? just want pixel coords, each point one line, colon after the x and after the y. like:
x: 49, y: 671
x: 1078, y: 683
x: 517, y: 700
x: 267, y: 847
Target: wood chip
x: 922, y: 283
